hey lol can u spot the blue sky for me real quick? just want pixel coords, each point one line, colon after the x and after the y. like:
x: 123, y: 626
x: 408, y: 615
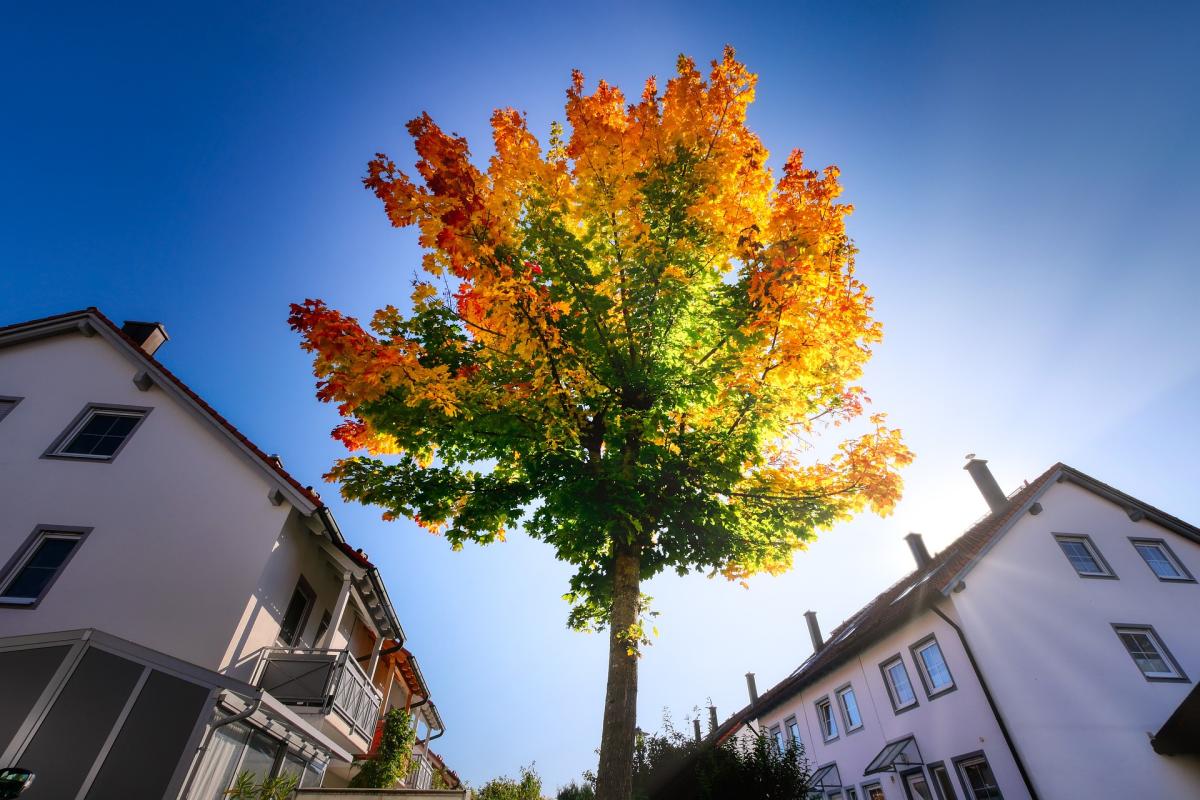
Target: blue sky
x: 1027, y: 189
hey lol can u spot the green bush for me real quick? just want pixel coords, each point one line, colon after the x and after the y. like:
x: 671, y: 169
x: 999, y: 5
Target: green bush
x: 528, y: 787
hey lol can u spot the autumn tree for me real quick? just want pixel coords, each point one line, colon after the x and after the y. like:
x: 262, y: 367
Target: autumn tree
x: 627, y: 342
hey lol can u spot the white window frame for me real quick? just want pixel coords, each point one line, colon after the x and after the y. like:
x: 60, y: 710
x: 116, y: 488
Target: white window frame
x: 788, y: 724
x: 778, y: 738
x: 961, y: 763
x: 57, y: 449
x: 1174, y: 674
x: 1106, y: 570
x: 826, y: 733
x: 841, y: 697
x: 21, y: 559
x: 885, y: 668
x: 1183, y: 576
x: 926, y: 679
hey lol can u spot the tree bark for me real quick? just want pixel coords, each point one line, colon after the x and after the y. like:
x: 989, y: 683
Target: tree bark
x: 614, y: 780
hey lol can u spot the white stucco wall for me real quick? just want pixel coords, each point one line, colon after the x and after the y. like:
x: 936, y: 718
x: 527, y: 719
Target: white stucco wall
x: 949, y: 725
x: 182, y: 527
x: 1079, y: 709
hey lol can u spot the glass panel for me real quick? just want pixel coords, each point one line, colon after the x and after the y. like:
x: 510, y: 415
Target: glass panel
x: 314, y: 773
x: 828, y: 720
x: 1080, y: 556
x: 918, y: 787
x: 101, y: 435
x: 1145, y: 653
x: 935, y: 667
x: 794, y: 730
x: 942, y: 778
x: 292, y: 765
x: 777, y: 735
x: 850, y: 706
x: 260, y: 757
x: 851, y: 794
x: 48, y: 557
x: 1158, y: 561
x: 980, y: 779
x: 6, y: 406
x: 874, y: 793
x: 220, y: 762
x: 293, y: 617
x: 901, y: 688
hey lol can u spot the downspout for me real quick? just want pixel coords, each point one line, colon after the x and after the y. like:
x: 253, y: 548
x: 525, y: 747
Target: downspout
x: 245, y: 713
x: 987, y: 693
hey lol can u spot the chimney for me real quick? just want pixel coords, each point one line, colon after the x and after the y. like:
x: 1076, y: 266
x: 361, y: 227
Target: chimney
x: 919, y: 553
x: 148, y: 335
x: 696, y: 728
x: 991, y: 491
x: 753, y: 689
x: 814, y: 630
x: 712, y: 717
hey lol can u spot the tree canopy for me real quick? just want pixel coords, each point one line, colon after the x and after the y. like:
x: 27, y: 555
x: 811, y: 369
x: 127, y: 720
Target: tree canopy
x: 633, y: 333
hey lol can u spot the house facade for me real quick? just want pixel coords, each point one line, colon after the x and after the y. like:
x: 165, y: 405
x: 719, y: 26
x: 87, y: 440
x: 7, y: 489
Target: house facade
x: 146, y: 539
x: 1049, y: 652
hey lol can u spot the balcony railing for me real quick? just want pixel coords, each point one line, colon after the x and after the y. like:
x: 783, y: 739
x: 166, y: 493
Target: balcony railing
x: 420, y: 775
x: 329, y: 679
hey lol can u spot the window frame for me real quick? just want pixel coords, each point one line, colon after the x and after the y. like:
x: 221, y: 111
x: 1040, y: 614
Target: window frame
x: 825, y: 734
x: 778, y: 738
x: 16, y: 401
x: 1185, y: 576
x: 891, y: 691
x: 933, y: 768
x: 54, y: 451
x: 967, y: 759
x: 1087, y: 541
x: 787, y: 730
x: 1179, y: 675
x: 21, y: 556
x: 841, y: 702
x: 926, y: 681
x: 867, y: 787
x: 305, y: 588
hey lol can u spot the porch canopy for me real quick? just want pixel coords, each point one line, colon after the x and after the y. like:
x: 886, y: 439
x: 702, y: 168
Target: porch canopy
x: 827, y: 778
x: 897, y: 755
x: 1180, y: 734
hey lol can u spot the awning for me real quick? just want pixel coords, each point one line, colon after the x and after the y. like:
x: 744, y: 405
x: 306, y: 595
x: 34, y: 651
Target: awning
x: 1180, y: 734
x: 895, y: 756
x: 827, y: 777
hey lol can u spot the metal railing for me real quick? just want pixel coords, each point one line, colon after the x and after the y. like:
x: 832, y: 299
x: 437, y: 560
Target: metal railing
x: 329, y: 679
x: 420, y: 776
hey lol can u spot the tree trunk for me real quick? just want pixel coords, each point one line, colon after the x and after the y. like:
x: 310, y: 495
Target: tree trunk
x: 614, y: 780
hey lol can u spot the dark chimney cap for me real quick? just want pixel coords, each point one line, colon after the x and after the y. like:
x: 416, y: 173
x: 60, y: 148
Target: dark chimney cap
x: 148, y: 335
x: 814, y: 630
x: 986, y: 483
x: 919, y: 552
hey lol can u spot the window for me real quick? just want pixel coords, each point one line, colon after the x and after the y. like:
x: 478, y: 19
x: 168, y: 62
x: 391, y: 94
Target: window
x: 849, y: 704
x: 899, y: 686
x: 1083, y: 555
x: 873, y: 792
x: 942, y: 782
x: 1149, y: 653
x: 977, y: 779
x: 1161, y: 560
x: 98, y: 434
x: 296, y: 614
x: 793, y: 729
x: 916, y: 786
x: 38, y: 565
x: 851, y: 793
x: 7, y: 404
x: 322, y: 626
x: 828, y: 721
x: 935, y: 675
x: 777, y: 737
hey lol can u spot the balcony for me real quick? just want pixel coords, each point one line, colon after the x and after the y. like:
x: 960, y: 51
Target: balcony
x: 329, y: 680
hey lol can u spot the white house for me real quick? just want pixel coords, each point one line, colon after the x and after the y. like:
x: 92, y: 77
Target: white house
x: 1049, y: 652
x: 174, y: 606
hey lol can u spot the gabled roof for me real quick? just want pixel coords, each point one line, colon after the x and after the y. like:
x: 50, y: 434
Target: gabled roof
x: 164, y: 378
x: 90, y: 322
x: 904, y: 600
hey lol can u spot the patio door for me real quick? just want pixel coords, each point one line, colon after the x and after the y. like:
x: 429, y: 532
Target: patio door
x: 916, y: 785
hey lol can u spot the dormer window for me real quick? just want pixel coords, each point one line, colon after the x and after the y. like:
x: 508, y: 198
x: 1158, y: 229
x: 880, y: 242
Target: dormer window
x: 98, y: 434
